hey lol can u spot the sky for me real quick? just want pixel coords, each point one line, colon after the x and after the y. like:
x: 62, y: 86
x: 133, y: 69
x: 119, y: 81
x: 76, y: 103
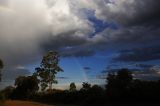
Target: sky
x: 92, y: 37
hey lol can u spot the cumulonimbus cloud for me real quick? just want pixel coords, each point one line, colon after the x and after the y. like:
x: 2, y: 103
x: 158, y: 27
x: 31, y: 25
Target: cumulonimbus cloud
x: 30, y: 27
x: 25, y: 26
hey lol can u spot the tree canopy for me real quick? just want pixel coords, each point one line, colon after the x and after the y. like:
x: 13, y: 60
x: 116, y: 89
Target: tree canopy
x: 25, y: 86
x: 86, y: 86
x: 48, y: 69
x: 1, y: 66
x: 72, y: 87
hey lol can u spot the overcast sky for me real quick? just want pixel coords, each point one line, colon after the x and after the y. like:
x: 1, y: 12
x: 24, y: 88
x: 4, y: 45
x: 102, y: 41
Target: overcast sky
x: 91, y: 36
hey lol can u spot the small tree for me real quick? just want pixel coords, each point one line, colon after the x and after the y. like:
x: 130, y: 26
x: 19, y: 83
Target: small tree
x: 72, y: 87
x: 48, y: 69
x: 1, y: 66
x: 86, y: 86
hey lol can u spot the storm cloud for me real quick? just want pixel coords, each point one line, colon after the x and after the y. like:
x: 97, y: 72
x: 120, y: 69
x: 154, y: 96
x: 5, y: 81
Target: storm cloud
x: 29, y: 28
x: 25, y: 26
x: 139, y: 54
x: 126, y: 12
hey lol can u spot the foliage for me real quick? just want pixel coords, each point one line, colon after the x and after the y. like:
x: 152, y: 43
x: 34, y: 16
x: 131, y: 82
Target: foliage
x: 86, y: 86
x: 25, y: 86
x: 48, y: 69
x: 72, y: 87
x: 94, y: 95
x: 118, y: 83
x: 7, y: 92
x: 122, y: 87
x: 1, y: 66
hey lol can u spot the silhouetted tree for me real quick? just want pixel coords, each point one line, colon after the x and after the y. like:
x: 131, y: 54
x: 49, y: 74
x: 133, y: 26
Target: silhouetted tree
x: 1, y: 66
x: 72, y: 87
x: 97, y: 91
x: 97, y: 88
x: 86, y: 86
x: 7, y: 92
x: 118, y: 84
x: 25, y: 86
x: 125, y: 76
x: 48, y: 69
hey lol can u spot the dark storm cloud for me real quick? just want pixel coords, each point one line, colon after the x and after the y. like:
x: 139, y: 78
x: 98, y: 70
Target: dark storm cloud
x: 139, y: 54
x: 138, y: 23
x: 146, y: 13
x: 144, y: 66
x: 27, y: 33
x: 130, y: 36
x: 41, y: 30
x: 129, y: 12
x: 62, y: 42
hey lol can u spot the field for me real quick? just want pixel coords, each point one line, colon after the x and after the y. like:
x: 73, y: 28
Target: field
x: 27, y: 103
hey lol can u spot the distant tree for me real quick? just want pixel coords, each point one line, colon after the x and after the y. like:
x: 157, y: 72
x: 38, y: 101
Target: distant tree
x: 48, y: 69
x: 26, y: 86
x: 119, y: 83
x: 86, y: 86
x: 96, y: 94
x: 97, y: 90
x: 1, y: 66
x: 72, y: 87
x: 7, y: 92
x: 110, y: 79
x: 125, y: 76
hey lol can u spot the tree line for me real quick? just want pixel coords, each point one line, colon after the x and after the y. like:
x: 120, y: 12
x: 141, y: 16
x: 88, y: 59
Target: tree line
x: 121, y: 87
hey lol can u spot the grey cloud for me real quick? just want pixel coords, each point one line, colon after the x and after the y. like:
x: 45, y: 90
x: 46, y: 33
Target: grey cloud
x: 67, y: 41
x: 139, y: 54
x: 152, y: 73
x: 30, y: 28
x: 138, y: 23
x: 130, y: 36
x: 128, y: 12
x: 12, y: 74
x: 144, y: 66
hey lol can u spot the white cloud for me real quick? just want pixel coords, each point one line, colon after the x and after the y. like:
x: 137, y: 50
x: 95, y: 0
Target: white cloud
x: 26, y: 24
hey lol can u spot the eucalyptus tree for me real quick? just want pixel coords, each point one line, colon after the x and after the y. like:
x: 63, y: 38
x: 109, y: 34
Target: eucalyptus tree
x: 48, y: 69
